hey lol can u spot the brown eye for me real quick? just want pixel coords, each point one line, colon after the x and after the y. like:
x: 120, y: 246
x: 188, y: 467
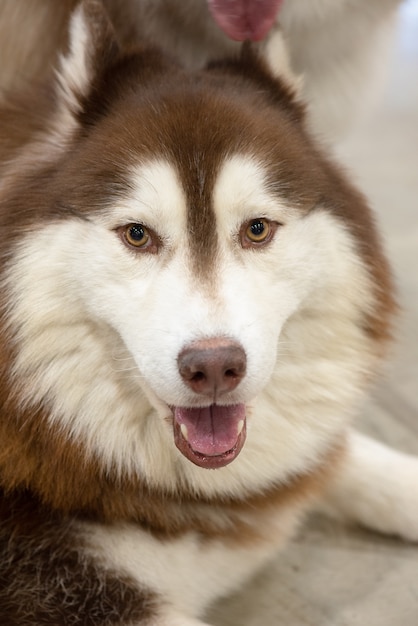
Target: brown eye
x: 139, y: 237
x: 257, y: 231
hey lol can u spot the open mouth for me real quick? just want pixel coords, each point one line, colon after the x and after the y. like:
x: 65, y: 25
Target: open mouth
x: 210, y: 437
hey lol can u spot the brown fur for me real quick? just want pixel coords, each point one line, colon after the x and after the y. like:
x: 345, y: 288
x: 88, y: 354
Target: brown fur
x: 194, y: 98
x: 198, y: 97
x: 47, y: 578
x: 67, y: 480
x: 142, y: 105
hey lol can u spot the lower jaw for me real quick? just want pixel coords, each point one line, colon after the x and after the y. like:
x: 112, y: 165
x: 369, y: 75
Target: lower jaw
x: 213, y: 462
x: 207, y: 461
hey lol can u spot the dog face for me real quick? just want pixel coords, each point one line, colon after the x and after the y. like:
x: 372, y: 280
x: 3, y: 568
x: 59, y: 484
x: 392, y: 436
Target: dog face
x: 183, y: 266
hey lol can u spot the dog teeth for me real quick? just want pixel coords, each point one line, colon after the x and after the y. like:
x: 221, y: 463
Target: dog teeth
x: 240, y: 426
x: 184, y: 432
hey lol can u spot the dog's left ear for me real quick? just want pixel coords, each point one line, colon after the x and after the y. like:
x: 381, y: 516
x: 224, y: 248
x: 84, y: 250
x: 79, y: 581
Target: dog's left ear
x: 275, y: 54
x: 92, y: 47
x: 267, y: 66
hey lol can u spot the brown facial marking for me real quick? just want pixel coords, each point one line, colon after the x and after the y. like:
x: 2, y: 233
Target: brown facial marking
x: 196, y: 155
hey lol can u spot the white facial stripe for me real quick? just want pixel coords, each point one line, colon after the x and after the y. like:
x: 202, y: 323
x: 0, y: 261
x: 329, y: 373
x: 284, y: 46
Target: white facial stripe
x: 241, y: 193
x: 155, y: 198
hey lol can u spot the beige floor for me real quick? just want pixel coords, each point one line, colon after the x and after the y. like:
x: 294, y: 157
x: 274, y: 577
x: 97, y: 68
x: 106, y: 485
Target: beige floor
x: 330, y: 575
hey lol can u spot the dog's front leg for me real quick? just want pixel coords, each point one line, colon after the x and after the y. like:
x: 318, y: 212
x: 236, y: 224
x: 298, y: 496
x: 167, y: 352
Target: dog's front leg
x: 376, y: 487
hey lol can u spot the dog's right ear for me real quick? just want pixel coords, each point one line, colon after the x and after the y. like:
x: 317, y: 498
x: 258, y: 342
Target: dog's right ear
x: 92, y: 48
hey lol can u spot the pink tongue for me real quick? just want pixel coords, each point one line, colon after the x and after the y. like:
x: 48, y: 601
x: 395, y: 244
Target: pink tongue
x: 245, y: 19
x: 212, y: 430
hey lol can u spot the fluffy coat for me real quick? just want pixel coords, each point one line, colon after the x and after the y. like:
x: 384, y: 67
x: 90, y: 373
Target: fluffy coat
x: 188, y: 282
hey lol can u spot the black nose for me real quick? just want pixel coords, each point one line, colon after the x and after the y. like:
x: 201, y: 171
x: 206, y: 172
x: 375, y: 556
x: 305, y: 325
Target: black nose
x: 212, y: 366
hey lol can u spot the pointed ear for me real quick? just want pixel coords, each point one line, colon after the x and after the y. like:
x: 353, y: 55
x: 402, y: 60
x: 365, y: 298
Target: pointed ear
x: 276, y: 56
x: 267, y: 66
x: 92, y: 48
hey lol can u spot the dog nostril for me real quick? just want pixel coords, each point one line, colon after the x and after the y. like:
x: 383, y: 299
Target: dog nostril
x: 231, y: 373
x: 198, y: 377
x: 213, y: 366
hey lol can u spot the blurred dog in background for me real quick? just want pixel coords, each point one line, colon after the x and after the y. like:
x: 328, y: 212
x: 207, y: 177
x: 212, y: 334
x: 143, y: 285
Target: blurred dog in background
x: 339, y: 47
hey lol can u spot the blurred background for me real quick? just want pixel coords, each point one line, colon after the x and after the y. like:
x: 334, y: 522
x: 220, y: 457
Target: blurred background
x: 331, y: 575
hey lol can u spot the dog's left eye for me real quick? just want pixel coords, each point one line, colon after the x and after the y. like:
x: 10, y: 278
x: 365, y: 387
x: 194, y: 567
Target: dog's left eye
x: 139, y: 237
x: 257, y: 231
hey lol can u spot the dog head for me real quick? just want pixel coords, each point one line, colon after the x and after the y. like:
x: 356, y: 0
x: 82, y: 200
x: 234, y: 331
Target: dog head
x: 182, y: 264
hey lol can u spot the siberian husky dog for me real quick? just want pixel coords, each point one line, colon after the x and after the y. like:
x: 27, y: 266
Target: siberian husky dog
x: 339, y: 46
x: 193, y: 302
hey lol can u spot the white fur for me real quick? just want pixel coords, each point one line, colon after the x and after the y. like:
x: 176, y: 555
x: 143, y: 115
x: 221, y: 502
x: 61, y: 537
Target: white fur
x: 376, y: 486
x: 74, y: 78
x: 100, y: 329
x: 187, y: 573
x: 276, y: 54
x: 74, y: 75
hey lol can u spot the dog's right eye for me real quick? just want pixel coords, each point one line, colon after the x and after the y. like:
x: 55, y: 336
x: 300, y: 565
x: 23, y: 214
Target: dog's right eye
x: 257, y: 232
x: 139, y: 237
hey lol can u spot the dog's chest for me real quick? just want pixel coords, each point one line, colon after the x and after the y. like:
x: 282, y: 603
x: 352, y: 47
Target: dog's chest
x: 189, y: 571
